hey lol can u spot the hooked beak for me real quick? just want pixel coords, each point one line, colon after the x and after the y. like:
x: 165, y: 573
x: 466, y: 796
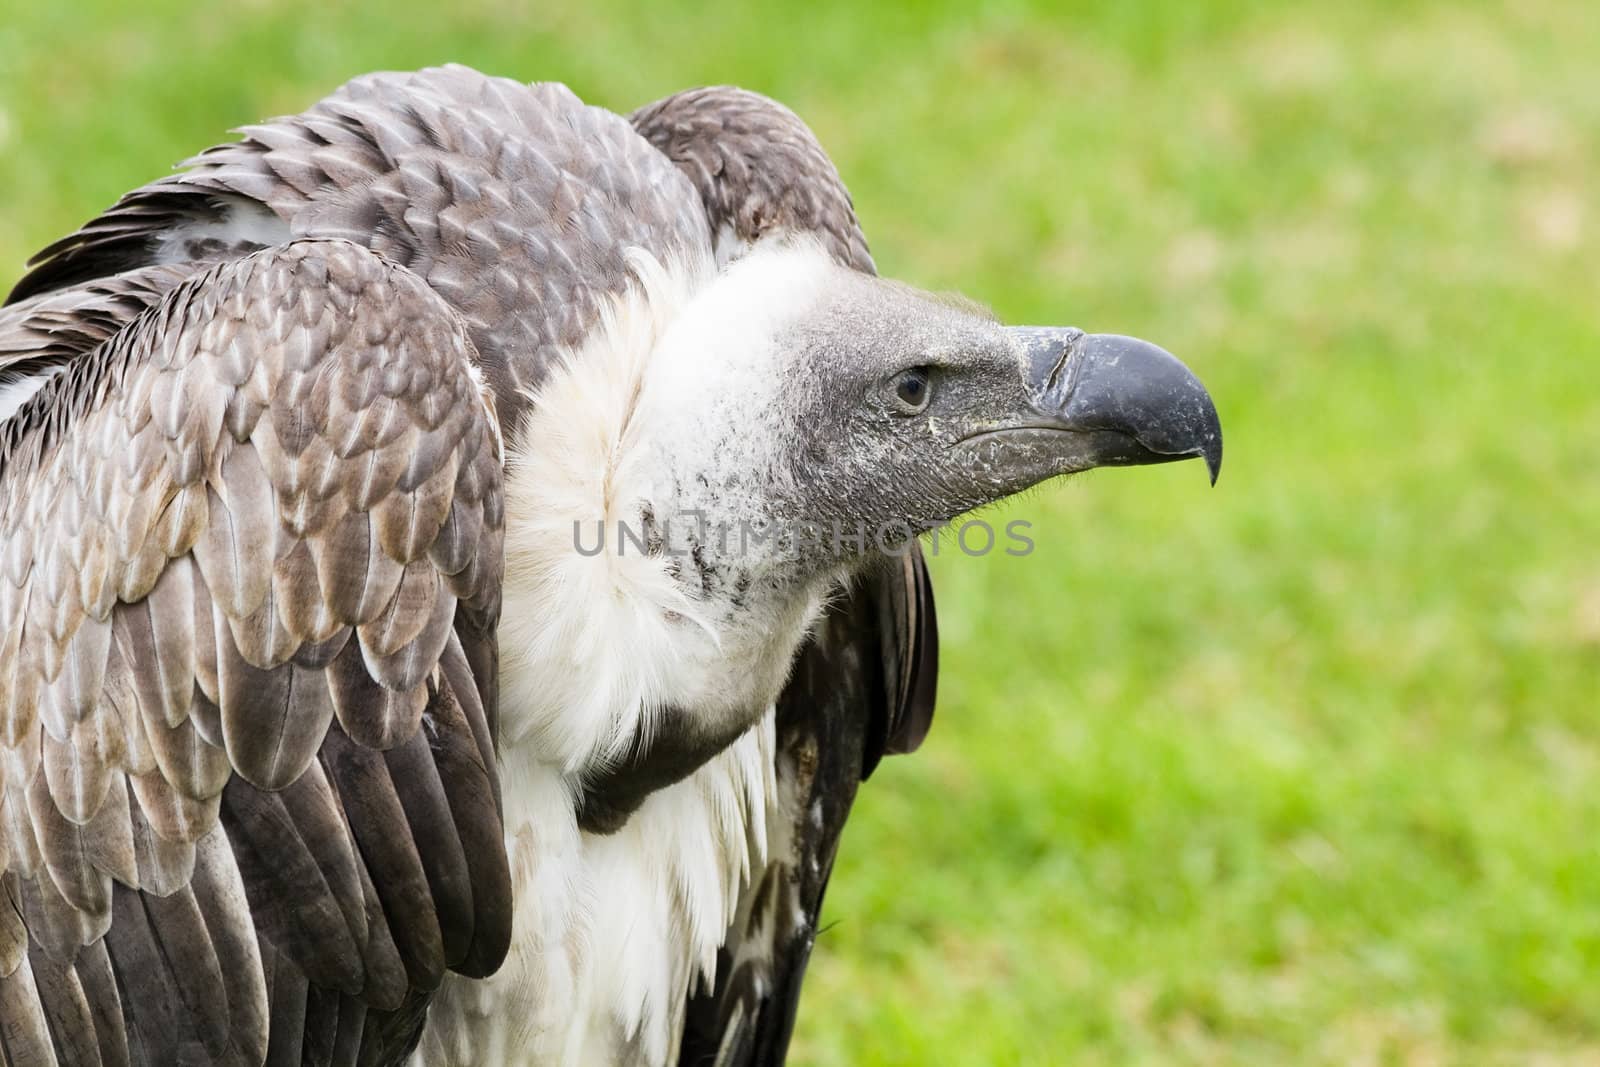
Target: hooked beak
x: 1115, y: 401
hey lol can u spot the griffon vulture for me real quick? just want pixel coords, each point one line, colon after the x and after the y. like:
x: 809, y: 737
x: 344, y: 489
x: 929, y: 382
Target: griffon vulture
x: 456, y: 565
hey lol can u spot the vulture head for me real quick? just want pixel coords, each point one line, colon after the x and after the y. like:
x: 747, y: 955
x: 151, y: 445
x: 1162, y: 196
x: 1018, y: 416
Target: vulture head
x: 777, y: 425
x: 853, y: 410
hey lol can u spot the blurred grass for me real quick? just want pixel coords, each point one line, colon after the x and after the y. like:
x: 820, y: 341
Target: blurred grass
x: 1300, y: 769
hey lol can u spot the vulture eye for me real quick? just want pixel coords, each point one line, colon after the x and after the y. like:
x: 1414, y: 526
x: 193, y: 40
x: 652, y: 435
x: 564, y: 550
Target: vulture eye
x: 912, y: 390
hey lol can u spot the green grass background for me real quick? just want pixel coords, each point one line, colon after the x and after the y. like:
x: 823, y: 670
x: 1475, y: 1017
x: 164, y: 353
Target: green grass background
x: 1301, y: 769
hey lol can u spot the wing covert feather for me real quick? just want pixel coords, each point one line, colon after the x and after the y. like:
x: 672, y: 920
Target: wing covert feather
x: 241, y: 535
x: 517, y: 203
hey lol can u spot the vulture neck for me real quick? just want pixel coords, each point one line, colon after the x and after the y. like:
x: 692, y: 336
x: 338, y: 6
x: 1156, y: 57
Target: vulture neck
x: 644, y: 589
x: 638, y: 673
x: 612, y: 648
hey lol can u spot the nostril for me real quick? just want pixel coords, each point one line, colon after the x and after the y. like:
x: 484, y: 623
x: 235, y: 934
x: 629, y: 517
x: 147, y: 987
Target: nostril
x: 1069, y: 345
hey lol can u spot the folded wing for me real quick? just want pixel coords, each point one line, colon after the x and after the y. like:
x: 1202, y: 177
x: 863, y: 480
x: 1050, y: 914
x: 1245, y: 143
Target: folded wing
x: 249, y: 574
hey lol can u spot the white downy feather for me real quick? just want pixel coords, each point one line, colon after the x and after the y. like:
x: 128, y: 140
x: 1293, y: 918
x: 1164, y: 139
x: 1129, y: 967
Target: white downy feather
x: 610, y: 931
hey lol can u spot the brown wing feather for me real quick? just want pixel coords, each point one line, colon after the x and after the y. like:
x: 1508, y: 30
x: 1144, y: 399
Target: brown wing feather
x: 50, y: 330
x: 756, y: 166
x: 206, y: 592
x: 516, y: 203
x: 908, y: 629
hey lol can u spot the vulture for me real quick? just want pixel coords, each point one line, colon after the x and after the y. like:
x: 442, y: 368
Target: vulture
x: 458, y: 559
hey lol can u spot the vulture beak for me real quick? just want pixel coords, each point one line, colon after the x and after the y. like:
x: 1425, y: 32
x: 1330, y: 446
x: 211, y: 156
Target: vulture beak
x: 1121, y: 401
